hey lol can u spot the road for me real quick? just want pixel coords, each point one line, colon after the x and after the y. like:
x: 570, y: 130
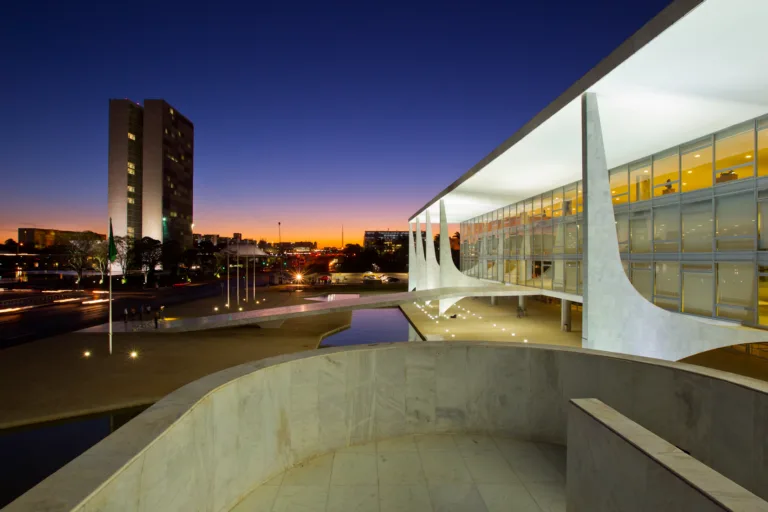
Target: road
x: 42, y: 322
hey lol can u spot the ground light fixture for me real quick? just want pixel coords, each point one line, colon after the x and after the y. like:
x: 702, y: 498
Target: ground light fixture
x: 134, y: 354
x: 240, y: 308
x: 216, y: 308
x: 87, y: 353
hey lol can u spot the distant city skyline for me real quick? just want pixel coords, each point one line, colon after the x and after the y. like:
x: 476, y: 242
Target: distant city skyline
x: 314, y: 116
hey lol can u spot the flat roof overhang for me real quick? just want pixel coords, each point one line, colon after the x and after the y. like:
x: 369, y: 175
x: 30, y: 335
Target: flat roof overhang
x: 693, y: 69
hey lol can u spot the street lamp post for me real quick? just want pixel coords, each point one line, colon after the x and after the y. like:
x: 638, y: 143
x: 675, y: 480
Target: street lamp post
x: 237, y: 271
x: 246, y: 277
x: 280, y: 251
x: 227, y: 274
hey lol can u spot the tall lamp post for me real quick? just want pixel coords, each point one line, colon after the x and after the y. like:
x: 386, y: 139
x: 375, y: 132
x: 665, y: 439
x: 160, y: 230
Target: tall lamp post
x: 280, y: 251
x: 227, y: 274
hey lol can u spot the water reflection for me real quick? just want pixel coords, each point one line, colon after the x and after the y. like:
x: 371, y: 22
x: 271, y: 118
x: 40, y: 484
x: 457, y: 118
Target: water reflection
x: 374, y: 326
x: 30, y: 454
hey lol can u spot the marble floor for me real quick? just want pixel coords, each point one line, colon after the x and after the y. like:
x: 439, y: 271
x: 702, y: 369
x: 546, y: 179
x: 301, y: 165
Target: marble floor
x: 421, y: 473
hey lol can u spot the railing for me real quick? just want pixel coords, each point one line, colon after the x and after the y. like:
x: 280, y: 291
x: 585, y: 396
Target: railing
x: 208, y: 444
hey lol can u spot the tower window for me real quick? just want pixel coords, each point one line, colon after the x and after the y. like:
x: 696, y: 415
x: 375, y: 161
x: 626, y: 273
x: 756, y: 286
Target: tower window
x: 131, y: 201
x: 131, y: 136
x: 131, y: 188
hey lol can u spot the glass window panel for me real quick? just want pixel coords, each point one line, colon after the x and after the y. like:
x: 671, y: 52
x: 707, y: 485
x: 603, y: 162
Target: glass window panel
x: 640, y: 181
x: 547, y: 239
x: 666, y: 228
x: 581, y: 278
x: 696, y: 166
x: 668, y: 279
x: 666, y: 173
x: 735, y: 287
x: 537, y: 240
x: 510, y: 271
x: 735, y: 222
x: 622, y: 231
x: 640, y: 231
x: 557, y: 202
x: 698, y: 226
x: 762, y: 147
x: 762, y: 225
x: 546, y: 205
x: 625, y: 265
x: 571, y: 238
x: 762, y: 300
x: 547, y: 273
x: 580, y: 198
x: 642, y: 279
x: 668, y: 304
x: 571, y: 277
x: 698, y: 289
x: 536, y: 209
x: 579, y: 238
x: 529, y: 211
x: 559, y: 238
x: 558, y: 275
x: 569, y: 204
x: 734, y: 148
x: 619, y: 185
x: 519, y: 244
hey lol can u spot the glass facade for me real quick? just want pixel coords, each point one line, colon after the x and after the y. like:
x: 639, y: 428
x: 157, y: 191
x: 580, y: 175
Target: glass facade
x: 691, y: 222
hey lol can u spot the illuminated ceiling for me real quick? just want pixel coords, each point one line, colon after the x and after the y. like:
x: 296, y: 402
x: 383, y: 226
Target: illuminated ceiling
x: 700, y: 75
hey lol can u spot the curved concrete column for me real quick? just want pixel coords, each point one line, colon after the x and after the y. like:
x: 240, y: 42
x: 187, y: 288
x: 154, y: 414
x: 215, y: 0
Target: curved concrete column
x: 421, y: 278
x: 431, y: 265
x: 413, y: 271
x: 618, y: 318
x: 449, y: 275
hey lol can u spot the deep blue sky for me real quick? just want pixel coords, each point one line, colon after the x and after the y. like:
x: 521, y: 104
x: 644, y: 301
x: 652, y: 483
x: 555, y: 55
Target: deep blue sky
x: 313, y: 114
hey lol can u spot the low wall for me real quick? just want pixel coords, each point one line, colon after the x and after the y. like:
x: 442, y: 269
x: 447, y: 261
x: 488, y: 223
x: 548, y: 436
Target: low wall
x: 615, y: 464
x: 208, y: 444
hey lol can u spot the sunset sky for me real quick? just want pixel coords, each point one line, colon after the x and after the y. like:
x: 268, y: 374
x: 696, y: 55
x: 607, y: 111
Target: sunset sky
x: 314, y: 115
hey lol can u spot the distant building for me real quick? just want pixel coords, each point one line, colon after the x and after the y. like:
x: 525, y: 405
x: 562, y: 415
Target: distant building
x: 385, y: 241
x: 38, y: 238
x: 214, y: 239
x: 237, y: 236
x: 150, y: 171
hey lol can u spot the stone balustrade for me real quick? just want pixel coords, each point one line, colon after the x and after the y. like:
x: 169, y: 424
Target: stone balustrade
x: 208, y: 444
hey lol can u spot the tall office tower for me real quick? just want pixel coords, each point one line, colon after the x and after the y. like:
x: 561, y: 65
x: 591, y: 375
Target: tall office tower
x: 126, y: 133
x: 150, y: 171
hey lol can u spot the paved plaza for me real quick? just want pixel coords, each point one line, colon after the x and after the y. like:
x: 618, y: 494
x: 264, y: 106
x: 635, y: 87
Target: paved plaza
x: 472, y: 473
x: 478, y: 320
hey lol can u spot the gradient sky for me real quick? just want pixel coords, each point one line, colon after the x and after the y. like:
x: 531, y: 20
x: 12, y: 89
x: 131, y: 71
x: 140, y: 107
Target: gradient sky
x: 315, y: 115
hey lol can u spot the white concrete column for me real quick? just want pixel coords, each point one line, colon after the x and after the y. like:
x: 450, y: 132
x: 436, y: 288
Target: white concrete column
x: 565, y: 315
x: 412, y: 270
x: 431, y: 265
x: 521, y: 302
x: 616, y: 317
x: 421, y: 281
x: 493, y: 300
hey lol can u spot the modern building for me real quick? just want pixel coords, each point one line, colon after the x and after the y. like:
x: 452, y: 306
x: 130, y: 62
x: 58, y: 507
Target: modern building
x: 151, y: 170
x: 641, y: 192
x: 40, y: 238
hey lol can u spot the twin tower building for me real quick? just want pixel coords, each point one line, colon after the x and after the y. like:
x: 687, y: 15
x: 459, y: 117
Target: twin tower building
x: 151, y: 169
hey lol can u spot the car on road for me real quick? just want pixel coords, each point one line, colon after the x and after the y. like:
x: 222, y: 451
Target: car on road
x: 388, y: 279
x: 371, y: 277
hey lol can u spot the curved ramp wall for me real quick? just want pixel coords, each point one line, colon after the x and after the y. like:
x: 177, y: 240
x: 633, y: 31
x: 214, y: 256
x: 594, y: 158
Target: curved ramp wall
x: 211, y: 442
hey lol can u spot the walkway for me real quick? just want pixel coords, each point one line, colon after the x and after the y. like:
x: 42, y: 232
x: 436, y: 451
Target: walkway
x: 477, y: 320
x: 52, y: 379
x: 472, y: 473
x: 279, y: 314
